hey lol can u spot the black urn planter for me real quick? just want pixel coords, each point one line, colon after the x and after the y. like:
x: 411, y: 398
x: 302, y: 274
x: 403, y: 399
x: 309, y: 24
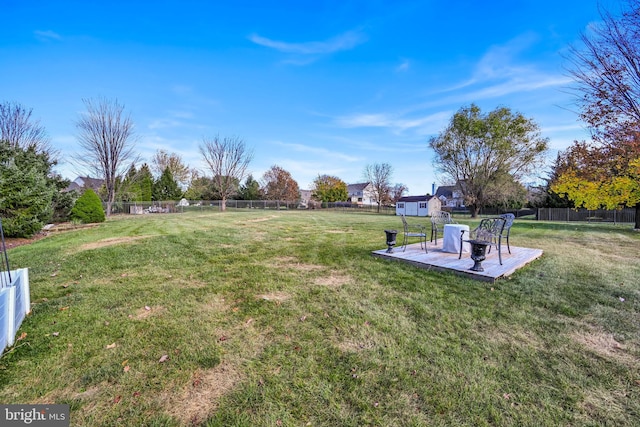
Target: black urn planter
x: 391, y: 239
x: 478, y: 253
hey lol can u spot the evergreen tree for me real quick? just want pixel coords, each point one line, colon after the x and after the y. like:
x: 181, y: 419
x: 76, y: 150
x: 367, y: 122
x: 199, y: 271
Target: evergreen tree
x: 26, y: 191
x: 250, y: 190
x: 146, y: 184
x: 88, y: 208
x: 130, y: 188
x: 166, y: 188
x: 63, y: 201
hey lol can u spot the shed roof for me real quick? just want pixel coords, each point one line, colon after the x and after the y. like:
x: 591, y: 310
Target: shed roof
x: 424, y: 198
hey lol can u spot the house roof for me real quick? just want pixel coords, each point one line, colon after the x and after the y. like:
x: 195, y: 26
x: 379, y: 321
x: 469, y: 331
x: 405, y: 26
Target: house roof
x: 84, y: 182
x: 357, y: 187
x: 446, y: 190
x: 425, y: 198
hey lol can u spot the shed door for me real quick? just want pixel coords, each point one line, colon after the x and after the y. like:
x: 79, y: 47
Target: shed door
x: 411, y: 209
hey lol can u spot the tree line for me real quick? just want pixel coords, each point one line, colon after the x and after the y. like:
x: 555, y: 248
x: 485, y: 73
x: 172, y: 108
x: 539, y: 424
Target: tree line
x: 31, y: 194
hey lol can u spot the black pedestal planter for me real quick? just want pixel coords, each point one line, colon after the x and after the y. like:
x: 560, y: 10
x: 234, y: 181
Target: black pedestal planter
x: 391, y: 239
x: 478, y: 253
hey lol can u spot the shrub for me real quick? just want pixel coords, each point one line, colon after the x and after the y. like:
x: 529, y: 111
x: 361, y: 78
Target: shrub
x: 88, y: 208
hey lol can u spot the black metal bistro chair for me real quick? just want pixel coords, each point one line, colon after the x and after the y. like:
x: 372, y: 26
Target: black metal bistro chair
x: 438, y: 220
x: 414, y: 230
x: 490, y: 232
x: 506, y: 230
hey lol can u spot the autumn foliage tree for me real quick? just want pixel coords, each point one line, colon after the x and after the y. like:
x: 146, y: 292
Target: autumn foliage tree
x: 279, y: 185
x: 606, y: 69
x: 327, y: 188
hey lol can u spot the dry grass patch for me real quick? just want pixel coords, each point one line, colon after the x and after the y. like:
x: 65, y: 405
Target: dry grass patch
x: 144, y: 312
x: 294, y: 264
x: 275, y: 296
x: 267, y: 218
x: 518, y: 337
x: 110, y: 242
x: 604, y: 345
x: 338, y: 231
x: 217, y: 304
x: 197, y: 401
x: 598, y: 401
x: 333, y: 280
x: 354, y: 346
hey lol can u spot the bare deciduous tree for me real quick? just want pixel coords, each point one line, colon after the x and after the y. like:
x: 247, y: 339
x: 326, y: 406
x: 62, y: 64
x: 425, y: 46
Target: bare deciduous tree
x: 379, y: 176
x: 106, y: 136
x: 606, y: 70
x: 20, y: 130
x: 398, y: 191
x: 228, y: 159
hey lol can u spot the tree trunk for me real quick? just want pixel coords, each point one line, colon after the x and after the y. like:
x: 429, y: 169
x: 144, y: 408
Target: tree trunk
x: 475, y: 210
x: 637, y: 226
x: 223, y: 204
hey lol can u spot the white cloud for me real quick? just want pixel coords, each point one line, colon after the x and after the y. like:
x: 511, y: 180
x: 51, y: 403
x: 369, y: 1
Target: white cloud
x: 396, y: 123
x: 404, y: 66
x: 345, y: 41
x: 47, y: 35
x: 498, y: 73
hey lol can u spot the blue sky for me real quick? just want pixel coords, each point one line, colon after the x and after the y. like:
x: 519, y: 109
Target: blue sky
x: 321, y: 87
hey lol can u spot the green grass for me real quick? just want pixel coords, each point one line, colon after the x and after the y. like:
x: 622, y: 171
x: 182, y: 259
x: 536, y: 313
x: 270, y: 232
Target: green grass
x: 284, y: 318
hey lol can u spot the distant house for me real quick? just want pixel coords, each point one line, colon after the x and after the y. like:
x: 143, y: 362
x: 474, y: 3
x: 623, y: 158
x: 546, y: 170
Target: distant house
x: 418, y: 205
x: 450, y: 196
x: 361, y: 194
x: 305, y: 198
x: 81, y: 183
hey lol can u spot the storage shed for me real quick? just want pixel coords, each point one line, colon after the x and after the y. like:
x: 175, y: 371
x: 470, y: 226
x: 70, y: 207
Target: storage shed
x: 418, y: 205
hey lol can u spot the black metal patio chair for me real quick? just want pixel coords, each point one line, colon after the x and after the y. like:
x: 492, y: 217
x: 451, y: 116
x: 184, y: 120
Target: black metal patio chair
x: 506, y: 230
x: 438, y: 220
x: 414, y: 230
x: 489, y: 231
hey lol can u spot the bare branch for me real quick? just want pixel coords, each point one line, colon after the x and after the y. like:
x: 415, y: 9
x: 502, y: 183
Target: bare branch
x: 19, y: 129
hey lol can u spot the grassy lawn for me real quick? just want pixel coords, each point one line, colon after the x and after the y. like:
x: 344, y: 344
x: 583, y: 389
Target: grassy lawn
x: 284, y: 318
